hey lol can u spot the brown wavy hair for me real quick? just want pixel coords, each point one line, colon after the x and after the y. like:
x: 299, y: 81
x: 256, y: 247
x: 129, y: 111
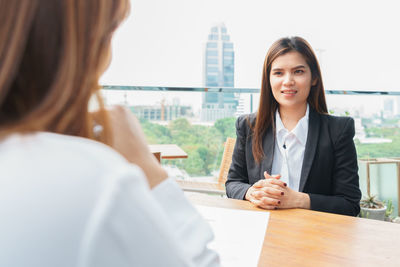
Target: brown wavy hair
x: 52, y: 53
x: 265, y: 117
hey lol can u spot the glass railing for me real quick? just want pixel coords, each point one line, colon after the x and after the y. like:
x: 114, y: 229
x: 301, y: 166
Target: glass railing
x: 200, y: 119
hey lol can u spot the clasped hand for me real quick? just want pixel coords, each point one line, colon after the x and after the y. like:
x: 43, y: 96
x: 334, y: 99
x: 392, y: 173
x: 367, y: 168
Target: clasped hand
x: 272, y: 193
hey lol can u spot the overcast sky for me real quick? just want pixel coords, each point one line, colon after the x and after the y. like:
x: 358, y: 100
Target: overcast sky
x: 162, y: 42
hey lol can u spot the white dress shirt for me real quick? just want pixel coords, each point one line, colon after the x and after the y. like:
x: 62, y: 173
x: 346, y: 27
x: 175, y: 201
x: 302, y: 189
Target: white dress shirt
x: 69, y: 201
x: 289, y: 150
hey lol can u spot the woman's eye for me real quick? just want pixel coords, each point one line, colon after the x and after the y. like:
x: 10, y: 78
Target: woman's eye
x: 299, y: 71
x: 277, y: 73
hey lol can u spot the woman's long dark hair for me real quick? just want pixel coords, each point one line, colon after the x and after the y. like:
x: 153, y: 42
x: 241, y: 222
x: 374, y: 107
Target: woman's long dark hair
x: 268, y: 104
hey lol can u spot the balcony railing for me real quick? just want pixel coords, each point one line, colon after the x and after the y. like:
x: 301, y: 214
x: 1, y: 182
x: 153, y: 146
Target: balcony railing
x: 199, y: 119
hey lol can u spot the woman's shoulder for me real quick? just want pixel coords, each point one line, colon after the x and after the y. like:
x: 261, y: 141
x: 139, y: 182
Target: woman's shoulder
x: 337, y: 121
x: 338, y: 126
x: 56, y: 159
x: 245, y: 120
x: 81, y: 144
x: 52, y: 147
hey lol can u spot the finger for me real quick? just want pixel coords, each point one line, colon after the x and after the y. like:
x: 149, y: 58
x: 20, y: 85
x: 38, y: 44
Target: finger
x: 278, y: 187
x: 268, y: 201
x: 269, y: 183
x: 276, y: 176
x: 255, y: 201
x: 258, y: 194
x: 260, y: 204
x: 268, y: 207
x: 273, y: 191
x: 277, y: 182
x: 272, y: 181
x: 268, y: 176
x: 259, y: 183
x: 262, y: 183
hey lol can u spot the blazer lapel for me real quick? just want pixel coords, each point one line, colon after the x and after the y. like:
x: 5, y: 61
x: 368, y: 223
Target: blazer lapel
x: 311, y: 146
x: 268, y: 147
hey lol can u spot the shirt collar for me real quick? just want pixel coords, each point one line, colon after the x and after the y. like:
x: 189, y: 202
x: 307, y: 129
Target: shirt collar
x: 300, y: 131
x: 279, y: 124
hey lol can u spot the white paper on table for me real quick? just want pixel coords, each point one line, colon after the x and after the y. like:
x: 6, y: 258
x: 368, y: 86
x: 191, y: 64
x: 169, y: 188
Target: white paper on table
x: 239, y: 234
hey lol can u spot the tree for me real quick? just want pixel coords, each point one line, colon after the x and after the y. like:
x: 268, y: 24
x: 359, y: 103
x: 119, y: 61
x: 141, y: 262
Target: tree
x: 226, y: 127
x: 203, y: 144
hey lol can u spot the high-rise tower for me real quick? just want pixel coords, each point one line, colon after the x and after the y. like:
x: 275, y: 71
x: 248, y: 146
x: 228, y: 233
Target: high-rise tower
x: 219, y: 70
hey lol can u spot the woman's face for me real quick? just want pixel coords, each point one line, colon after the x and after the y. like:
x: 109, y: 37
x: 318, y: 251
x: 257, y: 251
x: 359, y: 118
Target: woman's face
x: 290, y: 80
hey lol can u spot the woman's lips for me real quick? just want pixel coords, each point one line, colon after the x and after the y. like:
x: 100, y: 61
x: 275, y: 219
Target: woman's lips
x: 289, y: 92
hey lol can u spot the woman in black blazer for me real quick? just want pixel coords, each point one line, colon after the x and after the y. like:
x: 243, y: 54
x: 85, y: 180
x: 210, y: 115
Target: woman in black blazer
x: 291, y: 153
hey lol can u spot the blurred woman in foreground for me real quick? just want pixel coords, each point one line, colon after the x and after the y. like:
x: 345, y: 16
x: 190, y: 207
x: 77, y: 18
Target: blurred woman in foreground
x: 66, y: 200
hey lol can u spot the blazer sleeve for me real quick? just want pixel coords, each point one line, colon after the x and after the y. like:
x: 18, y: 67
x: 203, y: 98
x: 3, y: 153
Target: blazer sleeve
x: 237, y: 183
x: 346, y: 193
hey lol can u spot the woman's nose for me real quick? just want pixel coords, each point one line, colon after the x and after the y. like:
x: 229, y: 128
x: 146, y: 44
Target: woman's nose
x: 288, y: 79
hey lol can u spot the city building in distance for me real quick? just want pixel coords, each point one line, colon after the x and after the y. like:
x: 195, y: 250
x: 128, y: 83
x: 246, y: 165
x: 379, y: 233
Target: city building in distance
x: 219, y: 69
x: 162, y: 112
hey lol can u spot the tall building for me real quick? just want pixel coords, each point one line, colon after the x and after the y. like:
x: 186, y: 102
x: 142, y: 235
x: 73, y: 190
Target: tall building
x: 398, y: 105
x: 388, y: 107
x: 219, y: 61
x: 162, y: 112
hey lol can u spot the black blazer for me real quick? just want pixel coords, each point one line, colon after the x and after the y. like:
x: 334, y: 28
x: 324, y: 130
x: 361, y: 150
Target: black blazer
x: 329, y: 173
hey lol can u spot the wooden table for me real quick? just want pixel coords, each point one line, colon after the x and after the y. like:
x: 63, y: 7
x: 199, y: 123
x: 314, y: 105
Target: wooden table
x: 299, y: 237
x: 202, y: 187
x: 170, y: 151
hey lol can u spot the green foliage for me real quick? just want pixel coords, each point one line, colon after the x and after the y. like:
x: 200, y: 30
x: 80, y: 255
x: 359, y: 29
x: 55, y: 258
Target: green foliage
x: 226, y: 127
x: 156, y: 134
x: 380, y: 150
x: 193, y: 165
x: 389, y: 208
x: 203, y: 144
x: 364, y: 214
x: 371, y: 202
